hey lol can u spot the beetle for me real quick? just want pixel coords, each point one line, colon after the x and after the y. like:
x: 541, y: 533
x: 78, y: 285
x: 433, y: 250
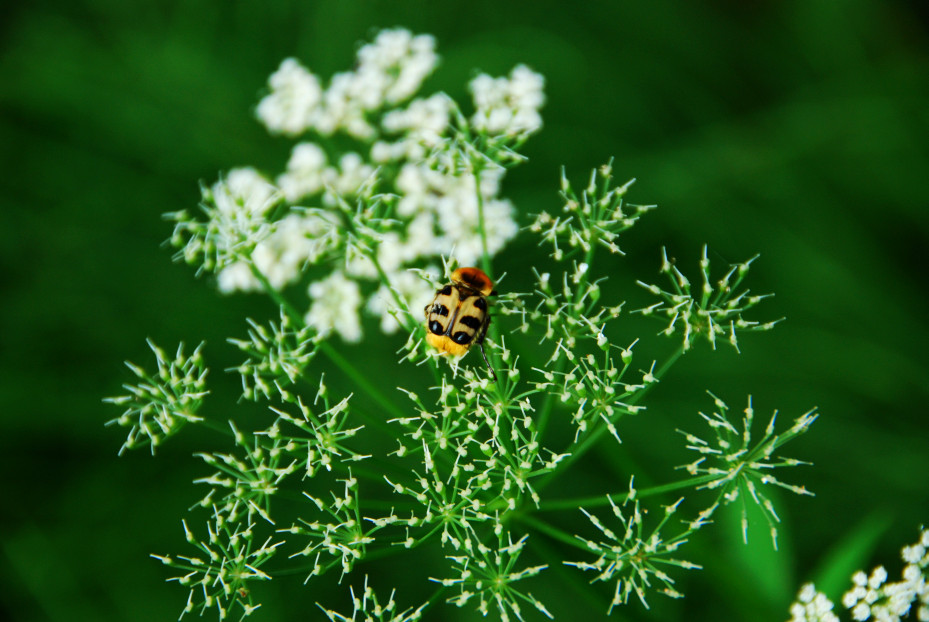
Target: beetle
x: 458, y: 317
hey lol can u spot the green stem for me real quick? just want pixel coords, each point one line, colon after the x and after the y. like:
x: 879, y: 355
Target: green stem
x: 601, y: 500
x: 485, y: 255
x: 361, y: 380
x: 277, y: 296
x: 551, y: 532
x: 560, y: 363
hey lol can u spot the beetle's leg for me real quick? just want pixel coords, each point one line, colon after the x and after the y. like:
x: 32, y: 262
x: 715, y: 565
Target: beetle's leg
x: 480, y: 342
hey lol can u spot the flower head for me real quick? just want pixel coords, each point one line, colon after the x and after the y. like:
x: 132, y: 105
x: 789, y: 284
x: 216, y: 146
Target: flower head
x: 715, y: 312
x: 161, y: 404
x: 486, y: 573
x: 741, y: 470
x: 508, y: 106
x: 336, y: 300
x: 230, y: 560
x: 294, y: 97
x: 632, y: 557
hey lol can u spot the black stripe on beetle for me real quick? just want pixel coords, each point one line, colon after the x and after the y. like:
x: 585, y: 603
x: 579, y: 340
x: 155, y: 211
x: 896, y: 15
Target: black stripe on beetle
x: 471, y: 322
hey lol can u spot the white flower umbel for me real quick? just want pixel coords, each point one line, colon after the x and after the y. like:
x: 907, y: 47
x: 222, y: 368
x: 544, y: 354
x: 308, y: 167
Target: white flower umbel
x: 336, y: 301
x: 874, y: 598
x: 487, y: 574
x: 740, y: 470
x: 338, y: 533
x: 393, y: 67
x: 508, y: 106
x: 230, y: 561
x: 812, y: 606
x: 320, y: 436
x: 248, y: 481
x: 161, y: 404
x: 595, y: 217
x: 369, y: 608
x: 450, y: 198
x: 236, y: 220
x: 292, y: 104
x: 633, y: 558
x: 716, y: 311
x: 416, y: 130
x: 276, y: 354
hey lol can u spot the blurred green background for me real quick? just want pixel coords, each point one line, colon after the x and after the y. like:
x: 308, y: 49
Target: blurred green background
x: 798, y: 130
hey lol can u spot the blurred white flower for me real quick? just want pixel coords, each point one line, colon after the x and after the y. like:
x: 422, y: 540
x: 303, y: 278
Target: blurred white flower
x: 237, y: 277
x: 452, y: 201
x: 342, y: 109
x: 352, y: 178
x: 236, y: 207
x: 422, y: 124
x: 812, y: 606
x: 305, y: 172
x: 393, y: 67
x: 244, y: 193
x: 297, y: 239
x: 508, y: 105
x: 336, y: 300
x: 293, y: 101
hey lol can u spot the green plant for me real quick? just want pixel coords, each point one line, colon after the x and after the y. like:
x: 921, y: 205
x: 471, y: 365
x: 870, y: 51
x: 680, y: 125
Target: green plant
x: 382, y: 188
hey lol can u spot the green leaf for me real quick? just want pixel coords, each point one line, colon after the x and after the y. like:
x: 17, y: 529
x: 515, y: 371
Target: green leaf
x: 851, y: 553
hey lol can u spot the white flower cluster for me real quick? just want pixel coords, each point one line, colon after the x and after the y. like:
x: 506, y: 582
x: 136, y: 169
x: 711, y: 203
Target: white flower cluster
x: 871, y: 596
x: 162, y: 403
x: 812, y: 606
x: 367, y: 607
x: 403, y: 149
x: 487, y: 574
x: 230, y: 560
x: 390, y: 70
x: 630, y: 557
x: 508, y: 106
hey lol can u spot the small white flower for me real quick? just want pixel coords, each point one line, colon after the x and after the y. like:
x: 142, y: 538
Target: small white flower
x: 305, y: 172
x: 237, y: 277
x: 246, y: 191
x: 508, y: 106
x: 350, y: 179
x: 293, y: 101
x: 423, y: 125
x: 341, y: 108
x: 297, y: 240
x: 394, y: 66
x: 336, y: 300
x: 459, y: 222
x: 812, y: 606
x: 237, y: 216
